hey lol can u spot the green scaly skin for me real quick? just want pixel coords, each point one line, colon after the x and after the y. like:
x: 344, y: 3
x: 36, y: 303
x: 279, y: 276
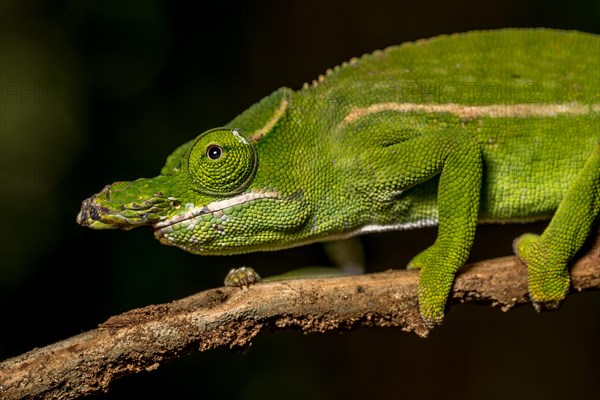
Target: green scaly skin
x: 498, y: 126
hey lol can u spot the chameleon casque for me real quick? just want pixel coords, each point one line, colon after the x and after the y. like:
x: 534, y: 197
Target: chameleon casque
x: 491, y: 126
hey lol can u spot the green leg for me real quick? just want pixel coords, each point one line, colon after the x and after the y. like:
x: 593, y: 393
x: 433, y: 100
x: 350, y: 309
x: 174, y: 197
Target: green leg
x: 458, y: 206
x: 546, y: 255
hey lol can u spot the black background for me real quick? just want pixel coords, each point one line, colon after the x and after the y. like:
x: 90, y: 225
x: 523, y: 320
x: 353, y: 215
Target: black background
x: 100, y: 91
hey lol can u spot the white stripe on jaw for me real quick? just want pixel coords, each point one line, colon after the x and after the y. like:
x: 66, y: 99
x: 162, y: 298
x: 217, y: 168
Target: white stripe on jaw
x: 259, y: 134
x: 216, y: 206
x: 469, y: 112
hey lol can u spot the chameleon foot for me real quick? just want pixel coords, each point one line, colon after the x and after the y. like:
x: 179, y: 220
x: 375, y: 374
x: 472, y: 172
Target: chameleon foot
x: 548, y: 278
x: 434, y: 286
x: 242, y: 277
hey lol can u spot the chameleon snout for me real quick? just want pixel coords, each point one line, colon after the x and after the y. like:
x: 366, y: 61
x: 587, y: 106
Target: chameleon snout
x: 88, y: 213
x: 97, y: 216
x: 122, y: 205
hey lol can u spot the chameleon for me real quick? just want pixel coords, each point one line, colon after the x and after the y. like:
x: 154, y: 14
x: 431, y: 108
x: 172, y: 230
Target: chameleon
x: 495, y: 126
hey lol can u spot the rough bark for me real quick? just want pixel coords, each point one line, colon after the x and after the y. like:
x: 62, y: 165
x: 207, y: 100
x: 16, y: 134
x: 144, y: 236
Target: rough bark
x: 142, y: 339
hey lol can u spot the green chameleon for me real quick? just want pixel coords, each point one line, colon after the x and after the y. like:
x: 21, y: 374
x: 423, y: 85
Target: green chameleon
x: 481, y: 127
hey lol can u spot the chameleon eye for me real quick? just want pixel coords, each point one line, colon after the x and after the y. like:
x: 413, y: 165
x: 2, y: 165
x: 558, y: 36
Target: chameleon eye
x: 222, y: 162
x: 214, y: 152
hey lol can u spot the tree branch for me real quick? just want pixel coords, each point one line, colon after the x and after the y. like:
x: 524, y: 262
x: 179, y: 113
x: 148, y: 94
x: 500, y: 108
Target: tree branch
x: 144, y: 338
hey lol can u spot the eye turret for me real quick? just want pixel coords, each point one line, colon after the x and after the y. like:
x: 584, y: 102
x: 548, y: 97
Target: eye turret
x: 222, y: 162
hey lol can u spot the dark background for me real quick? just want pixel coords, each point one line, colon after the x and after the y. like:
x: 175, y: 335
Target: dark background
x: 99, y: 91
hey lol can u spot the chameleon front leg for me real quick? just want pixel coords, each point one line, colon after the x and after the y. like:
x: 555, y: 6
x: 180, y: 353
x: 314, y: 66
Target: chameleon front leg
x: 546, y: 255
x: 458, y: 205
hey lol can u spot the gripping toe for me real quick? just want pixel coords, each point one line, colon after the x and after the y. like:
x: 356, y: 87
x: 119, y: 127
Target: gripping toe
x: 548, y: 277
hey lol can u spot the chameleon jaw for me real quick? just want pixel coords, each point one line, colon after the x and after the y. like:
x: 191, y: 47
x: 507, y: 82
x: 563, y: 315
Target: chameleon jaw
x: 164, y: 230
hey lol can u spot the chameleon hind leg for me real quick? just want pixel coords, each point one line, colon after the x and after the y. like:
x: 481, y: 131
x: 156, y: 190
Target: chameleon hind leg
x: 546, y: 255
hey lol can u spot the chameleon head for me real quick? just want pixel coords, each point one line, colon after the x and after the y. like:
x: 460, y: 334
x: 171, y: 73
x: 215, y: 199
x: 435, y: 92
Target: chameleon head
x: 205, y: 199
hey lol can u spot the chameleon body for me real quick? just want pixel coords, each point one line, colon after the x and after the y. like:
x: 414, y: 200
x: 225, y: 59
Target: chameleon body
x: 494, y: 126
